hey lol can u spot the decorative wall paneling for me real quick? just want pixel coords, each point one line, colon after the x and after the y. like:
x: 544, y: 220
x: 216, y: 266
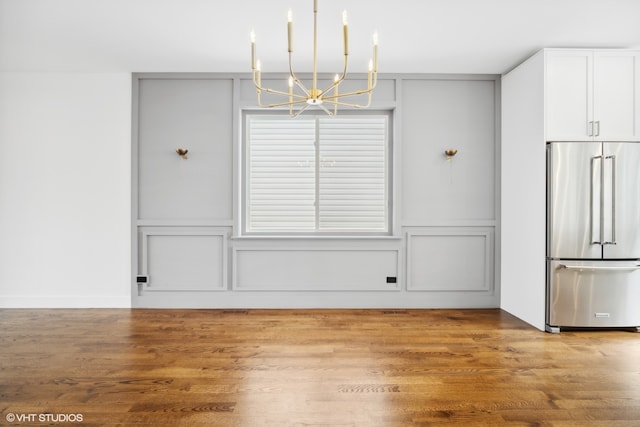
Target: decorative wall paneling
x: 314, y: 269
x: 447, y: 259
x: 440, y: 114
x: 182, y: 259
x: 187, y: 242
x: 189, y: 114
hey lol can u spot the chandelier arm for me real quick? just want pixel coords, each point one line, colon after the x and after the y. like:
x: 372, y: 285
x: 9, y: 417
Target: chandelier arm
x: 260, y: 89
x: 348, y: 104
x: 301, y: 99
x: 284, y: 104
x: 258, y: 86
x: 255, y: 81
x: 279, y: 92
x: 322, y: 107
x: 334, y: 100
x: 340, y: 79
x: 302, y: 87
x: 329, y: 98
x: 294, y: 77
x: 300, y: 111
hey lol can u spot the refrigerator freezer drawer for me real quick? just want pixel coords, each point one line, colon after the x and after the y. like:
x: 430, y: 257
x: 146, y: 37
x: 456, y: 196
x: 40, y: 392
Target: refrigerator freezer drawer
x: 593, y: 294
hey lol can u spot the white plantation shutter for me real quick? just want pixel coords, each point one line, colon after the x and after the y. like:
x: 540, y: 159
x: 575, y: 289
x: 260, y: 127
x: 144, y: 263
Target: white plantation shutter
x: 352, y: 194
x: 281, y: 180
x: 337, y: 186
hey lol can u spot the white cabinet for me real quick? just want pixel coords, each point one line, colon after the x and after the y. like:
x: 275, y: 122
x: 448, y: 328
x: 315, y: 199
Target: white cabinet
x: 557, y: 94
x: 616, y: 95
x: 592, y: 95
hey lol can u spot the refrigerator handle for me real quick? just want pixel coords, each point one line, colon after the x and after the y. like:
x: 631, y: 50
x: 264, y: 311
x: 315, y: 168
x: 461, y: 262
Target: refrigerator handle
x: 613, y: 200
x: 597, y: 226
x: 597, y: 267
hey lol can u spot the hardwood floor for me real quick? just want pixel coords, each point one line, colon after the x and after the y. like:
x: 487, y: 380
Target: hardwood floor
x: 310, y: 368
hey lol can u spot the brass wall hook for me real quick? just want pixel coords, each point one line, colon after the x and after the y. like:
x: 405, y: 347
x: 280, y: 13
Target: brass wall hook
x: 450, y: 153
x: 182, y: 152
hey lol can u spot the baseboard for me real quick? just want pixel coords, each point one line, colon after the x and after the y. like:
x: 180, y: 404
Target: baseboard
x: 64, y: 301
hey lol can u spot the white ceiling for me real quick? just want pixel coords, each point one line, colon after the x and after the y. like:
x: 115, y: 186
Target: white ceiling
x: 416, y: 36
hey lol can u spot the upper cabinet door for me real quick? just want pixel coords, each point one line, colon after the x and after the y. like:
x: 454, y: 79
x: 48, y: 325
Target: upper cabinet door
x: 615, y: 95
x: 592, y: 95
x: 569, y: 94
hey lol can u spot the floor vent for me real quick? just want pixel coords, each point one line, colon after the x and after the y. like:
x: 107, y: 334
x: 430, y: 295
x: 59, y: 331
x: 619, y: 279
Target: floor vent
x: 394, y: 312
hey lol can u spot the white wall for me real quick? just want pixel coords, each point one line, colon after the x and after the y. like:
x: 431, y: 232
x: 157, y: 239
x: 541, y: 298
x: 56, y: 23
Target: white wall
x: 65, y: 190
x: 523, y: 207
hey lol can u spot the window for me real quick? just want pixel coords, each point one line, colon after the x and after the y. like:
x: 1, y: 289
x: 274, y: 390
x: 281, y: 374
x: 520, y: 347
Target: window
x: 316, y: 174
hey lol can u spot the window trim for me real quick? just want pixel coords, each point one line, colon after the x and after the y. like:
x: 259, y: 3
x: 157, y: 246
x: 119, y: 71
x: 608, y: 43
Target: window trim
x: 390, y: 194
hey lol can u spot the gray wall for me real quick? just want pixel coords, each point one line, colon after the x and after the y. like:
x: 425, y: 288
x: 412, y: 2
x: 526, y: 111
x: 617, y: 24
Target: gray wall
x: 185, y: 229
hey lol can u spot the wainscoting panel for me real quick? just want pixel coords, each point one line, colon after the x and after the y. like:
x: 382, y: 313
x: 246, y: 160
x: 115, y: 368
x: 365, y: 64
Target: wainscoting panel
x: 315, y: 269
x: 184, y: 260
x: 450, y: 260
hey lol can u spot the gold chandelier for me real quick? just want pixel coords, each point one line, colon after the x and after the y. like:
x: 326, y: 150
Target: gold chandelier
x: 304, y: 97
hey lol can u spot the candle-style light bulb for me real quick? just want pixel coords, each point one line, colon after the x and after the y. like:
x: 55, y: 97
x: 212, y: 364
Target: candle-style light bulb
x: 290, y: 30
x: 252, y: 35
x: 345, y: 31
x: 375, y: 52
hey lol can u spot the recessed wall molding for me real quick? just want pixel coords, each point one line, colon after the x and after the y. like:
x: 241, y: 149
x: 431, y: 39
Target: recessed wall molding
x: 186, y: 215
x: 450, y: 260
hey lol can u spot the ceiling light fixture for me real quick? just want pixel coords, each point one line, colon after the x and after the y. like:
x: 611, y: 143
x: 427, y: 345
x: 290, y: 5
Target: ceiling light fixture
x: 298, y: 95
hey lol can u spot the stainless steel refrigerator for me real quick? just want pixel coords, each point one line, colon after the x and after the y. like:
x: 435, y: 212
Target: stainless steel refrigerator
x: 593, y: 235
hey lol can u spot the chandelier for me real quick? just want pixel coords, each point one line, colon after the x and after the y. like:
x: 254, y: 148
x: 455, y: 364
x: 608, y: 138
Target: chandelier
x: 298, y: 95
